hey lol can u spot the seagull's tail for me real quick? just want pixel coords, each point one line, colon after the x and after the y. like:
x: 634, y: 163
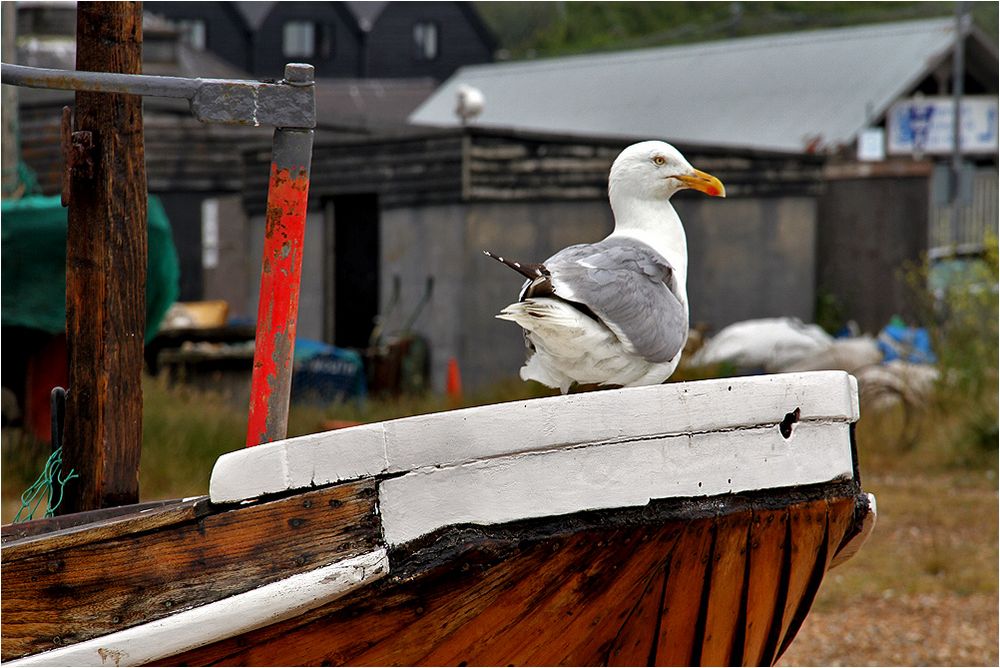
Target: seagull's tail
x: 526, y: 270
x: 548, y: 317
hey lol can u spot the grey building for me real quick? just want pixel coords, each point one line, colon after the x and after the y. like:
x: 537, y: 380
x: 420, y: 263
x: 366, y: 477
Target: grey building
x: 390, y: 214
x: 811, y: 92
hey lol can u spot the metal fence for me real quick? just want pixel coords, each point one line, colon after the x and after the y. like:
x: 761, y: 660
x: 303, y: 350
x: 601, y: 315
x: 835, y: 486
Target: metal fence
x: 977, y: 214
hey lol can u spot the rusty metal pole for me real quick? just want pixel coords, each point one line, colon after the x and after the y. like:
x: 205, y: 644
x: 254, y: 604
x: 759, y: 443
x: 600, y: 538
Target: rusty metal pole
x: 106, y: 266
x: 281, y: 271
x: 957, y: 91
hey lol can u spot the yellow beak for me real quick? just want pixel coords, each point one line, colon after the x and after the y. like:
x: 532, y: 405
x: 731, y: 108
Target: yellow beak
x: 706, y: 183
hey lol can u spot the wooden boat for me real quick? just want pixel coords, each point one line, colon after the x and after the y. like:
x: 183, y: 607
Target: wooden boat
x: 689, y: 523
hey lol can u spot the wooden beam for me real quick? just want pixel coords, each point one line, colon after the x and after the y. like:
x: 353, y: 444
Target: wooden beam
x: 106, y: 267
x: 76, y: 585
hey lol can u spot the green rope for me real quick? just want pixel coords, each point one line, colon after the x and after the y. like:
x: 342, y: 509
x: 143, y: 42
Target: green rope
x: 48, y: 484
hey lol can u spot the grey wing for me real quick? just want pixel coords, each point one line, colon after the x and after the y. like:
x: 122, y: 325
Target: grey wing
x: 630, y: 288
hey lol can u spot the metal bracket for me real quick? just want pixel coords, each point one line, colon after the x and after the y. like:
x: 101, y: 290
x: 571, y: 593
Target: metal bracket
x: 77, y: 153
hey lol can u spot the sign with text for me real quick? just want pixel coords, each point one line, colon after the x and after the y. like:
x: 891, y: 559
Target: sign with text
x: 924, y: 125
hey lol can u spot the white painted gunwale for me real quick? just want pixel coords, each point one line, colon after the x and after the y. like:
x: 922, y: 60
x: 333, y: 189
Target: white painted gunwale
x: 240, y: 613
x: 499, y: 431
x: 611, y: 475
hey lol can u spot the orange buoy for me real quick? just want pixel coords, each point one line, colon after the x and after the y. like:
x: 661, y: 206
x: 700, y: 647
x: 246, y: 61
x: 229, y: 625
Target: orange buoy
x: 454, y: 387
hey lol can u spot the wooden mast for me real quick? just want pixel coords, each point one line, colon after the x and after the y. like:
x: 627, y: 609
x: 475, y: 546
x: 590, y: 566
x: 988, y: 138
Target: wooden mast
x: 106, y: 266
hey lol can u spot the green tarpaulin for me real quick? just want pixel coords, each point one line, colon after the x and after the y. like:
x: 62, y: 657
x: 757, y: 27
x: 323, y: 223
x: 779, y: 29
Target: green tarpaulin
x: 33, y: 274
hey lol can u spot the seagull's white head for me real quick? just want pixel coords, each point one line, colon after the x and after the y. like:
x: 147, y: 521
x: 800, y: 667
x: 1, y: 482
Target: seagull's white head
x: 655, y: 170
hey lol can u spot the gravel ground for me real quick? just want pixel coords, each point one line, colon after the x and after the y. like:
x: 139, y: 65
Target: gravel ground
x: 913, y: 630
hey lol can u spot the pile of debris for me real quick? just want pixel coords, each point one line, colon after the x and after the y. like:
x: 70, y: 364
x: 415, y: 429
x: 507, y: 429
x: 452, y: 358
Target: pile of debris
x: 895, y: 367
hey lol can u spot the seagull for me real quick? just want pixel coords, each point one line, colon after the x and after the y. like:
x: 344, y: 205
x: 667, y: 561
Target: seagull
x: 615, y: 312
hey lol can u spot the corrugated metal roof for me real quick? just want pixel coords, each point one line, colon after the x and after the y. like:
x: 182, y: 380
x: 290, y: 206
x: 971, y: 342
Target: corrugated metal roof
x: 370, y: 104
x: 770, y: 92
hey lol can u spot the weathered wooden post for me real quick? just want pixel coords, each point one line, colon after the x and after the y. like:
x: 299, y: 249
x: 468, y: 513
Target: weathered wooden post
x: 106, y: 266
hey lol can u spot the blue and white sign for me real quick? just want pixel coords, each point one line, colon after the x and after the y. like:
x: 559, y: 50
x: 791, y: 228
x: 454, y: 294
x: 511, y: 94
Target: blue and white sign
x: 923, y: 125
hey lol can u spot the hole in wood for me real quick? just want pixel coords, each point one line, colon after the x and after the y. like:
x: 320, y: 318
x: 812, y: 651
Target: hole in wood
x: 786, y: 425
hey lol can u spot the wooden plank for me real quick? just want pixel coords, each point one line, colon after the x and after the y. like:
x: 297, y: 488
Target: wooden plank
x: 677, y: 643
x: 197, y: 626
x: 585, y: 613
x: 15, y: 532
x: 809, y: 540
x: 839, y: 515
x: 72, y: 594
x: 725, y: 598
x: 106, y: 269
x: 767, y: 559
x: 477, y: 639
x: 368, y: 623
x: 565, y: 598
x: 157, y: 516
x: 634, y: 644
x: 850, y: 546
x: 598, y: 618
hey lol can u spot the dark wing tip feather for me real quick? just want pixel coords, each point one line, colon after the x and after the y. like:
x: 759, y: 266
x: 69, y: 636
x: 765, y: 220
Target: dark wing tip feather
x: 530, y: 270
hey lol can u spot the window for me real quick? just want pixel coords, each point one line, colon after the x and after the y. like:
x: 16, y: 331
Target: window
x: 210, y: 233
x: 192, y: 33
x: 425, y: 40
x: 305, y: 39
x: 299, y: 39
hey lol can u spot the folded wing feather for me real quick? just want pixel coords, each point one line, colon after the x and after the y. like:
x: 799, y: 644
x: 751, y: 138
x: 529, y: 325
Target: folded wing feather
x: 626, y: 285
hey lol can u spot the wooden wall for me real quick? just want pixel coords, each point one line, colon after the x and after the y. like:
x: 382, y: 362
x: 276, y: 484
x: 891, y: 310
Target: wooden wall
x: 869, y: 228
x: 344, y: 59
x: 225, y: 34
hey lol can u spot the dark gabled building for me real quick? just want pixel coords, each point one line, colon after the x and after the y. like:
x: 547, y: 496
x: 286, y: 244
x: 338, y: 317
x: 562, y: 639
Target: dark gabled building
x: 341, y: 39
x: 421, y: 39
x: 325, y: 34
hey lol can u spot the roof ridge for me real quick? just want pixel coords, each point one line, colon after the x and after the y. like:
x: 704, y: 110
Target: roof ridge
x: 767, y: 40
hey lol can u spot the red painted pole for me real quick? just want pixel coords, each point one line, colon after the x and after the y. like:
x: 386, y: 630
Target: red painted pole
x: 281, y: 271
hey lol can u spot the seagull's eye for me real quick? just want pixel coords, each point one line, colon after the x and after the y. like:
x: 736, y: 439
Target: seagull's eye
x: 659, y: 160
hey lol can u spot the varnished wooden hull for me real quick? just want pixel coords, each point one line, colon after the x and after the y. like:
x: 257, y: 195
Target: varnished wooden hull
x: 508, y: 535
x: 674, y: 584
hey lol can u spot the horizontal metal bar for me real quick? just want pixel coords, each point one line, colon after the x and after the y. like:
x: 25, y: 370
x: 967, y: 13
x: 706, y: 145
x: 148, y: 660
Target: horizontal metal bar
x: 287, y: 104
x: 100, y: 82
